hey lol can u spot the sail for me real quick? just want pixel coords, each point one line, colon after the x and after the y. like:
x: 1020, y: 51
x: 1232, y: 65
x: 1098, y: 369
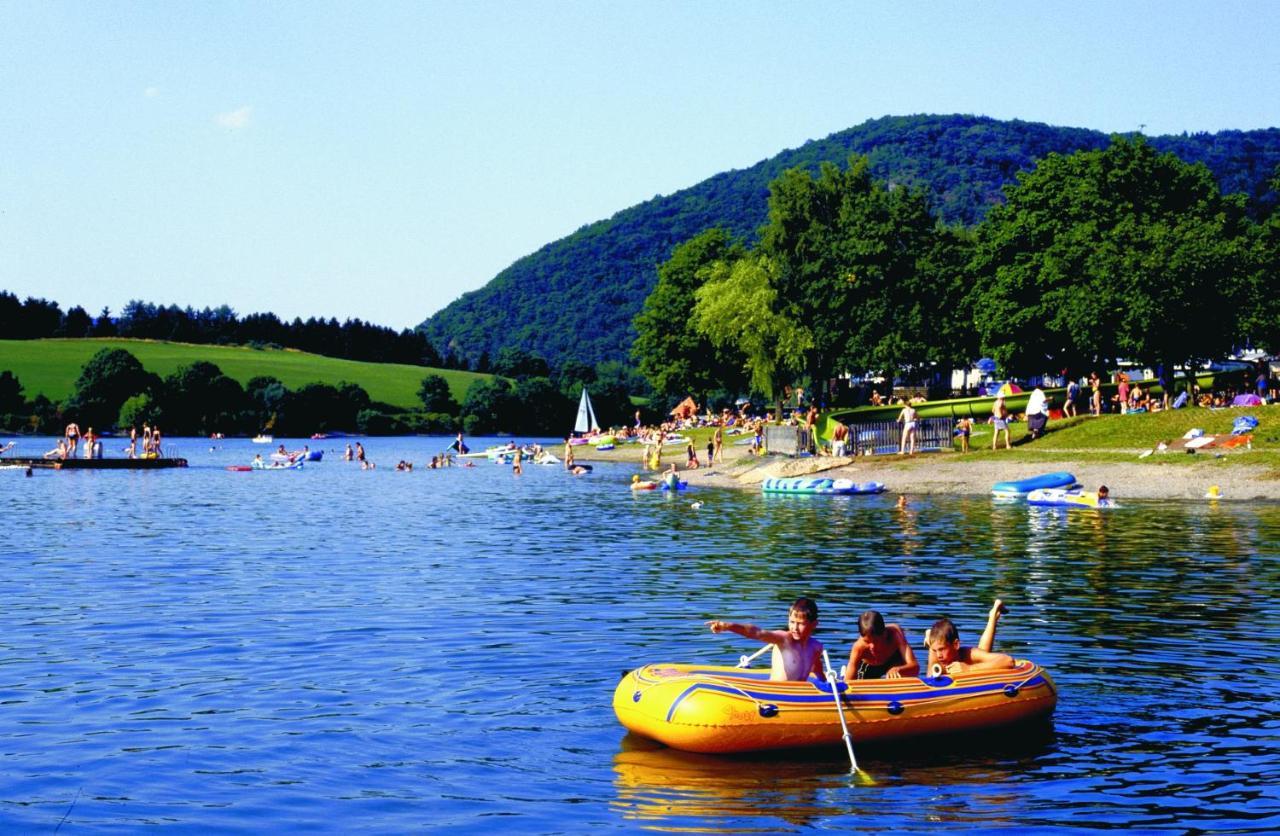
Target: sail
x: 586, y: 415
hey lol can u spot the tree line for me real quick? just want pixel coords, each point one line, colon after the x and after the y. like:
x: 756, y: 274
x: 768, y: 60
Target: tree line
x: 1119, y: 252
x: 352, y: 339
x: 114, y: 391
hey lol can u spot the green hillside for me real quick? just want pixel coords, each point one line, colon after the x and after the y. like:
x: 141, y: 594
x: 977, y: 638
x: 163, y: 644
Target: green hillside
x: 575, y: 298
x: 50, y: 367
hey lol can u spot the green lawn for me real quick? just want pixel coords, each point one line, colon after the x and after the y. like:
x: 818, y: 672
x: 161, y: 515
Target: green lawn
x: 50, y: 367
x: 1121, y: 437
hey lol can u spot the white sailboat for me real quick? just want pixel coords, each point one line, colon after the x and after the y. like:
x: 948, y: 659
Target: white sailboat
x: 586, y: 415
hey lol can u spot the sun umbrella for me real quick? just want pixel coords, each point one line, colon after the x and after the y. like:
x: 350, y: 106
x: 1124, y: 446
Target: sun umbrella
x: 1009, y: 389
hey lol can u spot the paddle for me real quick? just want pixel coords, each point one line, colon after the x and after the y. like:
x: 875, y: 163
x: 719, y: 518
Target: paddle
x: 844, y: 727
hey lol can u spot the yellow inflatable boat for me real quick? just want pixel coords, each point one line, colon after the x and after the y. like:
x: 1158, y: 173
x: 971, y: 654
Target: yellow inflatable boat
x: 707, y: 708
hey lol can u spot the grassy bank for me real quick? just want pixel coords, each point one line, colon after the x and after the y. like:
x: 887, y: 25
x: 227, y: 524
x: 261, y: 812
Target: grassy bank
x: 1117, y: 438
x: 1107, y: 439
x: 51, y: 366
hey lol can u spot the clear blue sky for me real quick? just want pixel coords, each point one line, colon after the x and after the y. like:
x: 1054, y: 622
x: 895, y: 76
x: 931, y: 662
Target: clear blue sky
x: 379, y: 159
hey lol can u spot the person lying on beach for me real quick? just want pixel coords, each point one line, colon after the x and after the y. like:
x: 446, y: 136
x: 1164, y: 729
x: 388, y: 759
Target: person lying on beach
x: 796, y: 653
x: 881, y: 651
x: 945, y: 651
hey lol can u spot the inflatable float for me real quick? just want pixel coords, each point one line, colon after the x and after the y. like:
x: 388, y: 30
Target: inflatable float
x: 259, y: 465
x: 807, y: 485
x: 1021, y: 487
x: 705, y: 708
x: 638, y: 484
x: 1060, y: 498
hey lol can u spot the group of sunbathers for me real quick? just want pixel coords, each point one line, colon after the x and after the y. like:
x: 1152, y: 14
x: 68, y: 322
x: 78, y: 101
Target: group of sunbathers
x: 881, y: 651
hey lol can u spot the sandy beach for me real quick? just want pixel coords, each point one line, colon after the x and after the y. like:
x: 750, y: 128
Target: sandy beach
x: 1156, y: 477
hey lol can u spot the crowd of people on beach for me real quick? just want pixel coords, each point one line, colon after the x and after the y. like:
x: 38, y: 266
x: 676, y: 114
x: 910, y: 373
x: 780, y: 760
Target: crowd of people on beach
x: 881, y: 651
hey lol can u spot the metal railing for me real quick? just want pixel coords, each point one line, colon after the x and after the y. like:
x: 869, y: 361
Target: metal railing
x: 788, y: 440
x: 880, y: 437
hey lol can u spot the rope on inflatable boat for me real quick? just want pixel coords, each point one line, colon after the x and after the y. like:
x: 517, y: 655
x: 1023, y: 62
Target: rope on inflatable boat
x: 701, y: 677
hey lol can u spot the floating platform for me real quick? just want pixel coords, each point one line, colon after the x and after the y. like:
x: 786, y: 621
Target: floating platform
x: 93, y: 464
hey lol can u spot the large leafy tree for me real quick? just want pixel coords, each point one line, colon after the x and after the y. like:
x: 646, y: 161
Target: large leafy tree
x: 11, y: 399
x: 739, y: 307
x: 436, y: 396
x: 198, y: 399
x: 1118, y: 252
x: 852, y: 256
x: 1260, y: 319
x: 489, y: 406
x: 111, y: 377
x: 672, y: 354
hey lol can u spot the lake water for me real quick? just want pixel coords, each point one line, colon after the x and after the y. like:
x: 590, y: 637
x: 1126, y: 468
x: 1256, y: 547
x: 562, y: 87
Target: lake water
x: 333, y: 649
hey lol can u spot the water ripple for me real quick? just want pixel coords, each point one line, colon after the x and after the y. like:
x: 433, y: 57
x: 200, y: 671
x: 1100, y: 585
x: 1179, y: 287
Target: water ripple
x: 437, y: 650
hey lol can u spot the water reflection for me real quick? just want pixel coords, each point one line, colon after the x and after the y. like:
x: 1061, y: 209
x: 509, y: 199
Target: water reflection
x: 719, y: 794
x: 673, y: 790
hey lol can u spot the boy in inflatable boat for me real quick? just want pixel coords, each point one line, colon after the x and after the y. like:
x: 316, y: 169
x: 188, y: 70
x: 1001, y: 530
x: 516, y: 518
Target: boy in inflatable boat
x: 947, y: 656
x: 796, y: 653
x: 881, y: 651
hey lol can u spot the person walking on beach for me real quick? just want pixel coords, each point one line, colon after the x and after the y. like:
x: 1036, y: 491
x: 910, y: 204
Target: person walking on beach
x: 717, y: 440
x: 1073, y: 392
x: 1095, y: 394
x: 964, y: 428
x: 1000, y: 420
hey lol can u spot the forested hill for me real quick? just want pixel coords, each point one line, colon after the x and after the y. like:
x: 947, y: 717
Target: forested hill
x: 575, y: 298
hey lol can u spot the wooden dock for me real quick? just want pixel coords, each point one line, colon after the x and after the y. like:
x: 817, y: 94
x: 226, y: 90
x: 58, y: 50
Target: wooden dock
x: 92, y: 464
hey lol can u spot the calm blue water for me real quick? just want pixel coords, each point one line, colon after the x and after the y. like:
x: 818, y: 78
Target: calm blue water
x: 336, y: 649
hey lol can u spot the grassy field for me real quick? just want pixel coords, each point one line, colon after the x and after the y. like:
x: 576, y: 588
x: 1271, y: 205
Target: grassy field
x: 50, y: 367
x: 1123, y: 437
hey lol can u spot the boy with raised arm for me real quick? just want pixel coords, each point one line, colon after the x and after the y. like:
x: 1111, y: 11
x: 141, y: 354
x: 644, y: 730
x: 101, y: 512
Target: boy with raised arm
x: 943, y: 641
x: 881, y: 651
x: 796, y: 653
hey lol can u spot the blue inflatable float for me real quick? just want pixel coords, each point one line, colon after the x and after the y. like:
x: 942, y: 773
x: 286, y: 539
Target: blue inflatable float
x: 809, y: 485
x: 1018, y: 489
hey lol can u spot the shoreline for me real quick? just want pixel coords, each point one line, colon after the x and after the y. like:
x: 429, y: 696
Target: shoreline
x: 953, y: 474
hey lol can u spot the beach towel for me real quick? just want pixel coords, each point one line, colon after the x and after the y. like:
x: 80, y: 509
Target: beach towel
x: 1244, y: 424
x: 1247, y: 400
